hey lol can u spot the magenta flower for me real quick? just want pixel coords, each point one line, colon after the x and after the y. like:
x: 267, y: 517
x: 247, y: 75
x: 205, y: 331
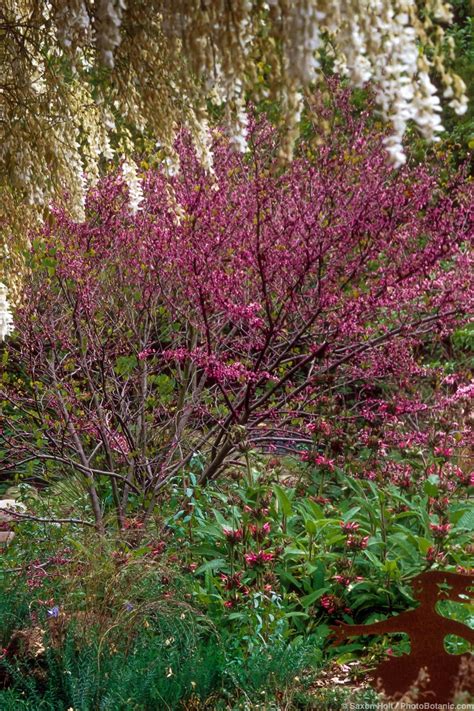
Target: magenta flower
x: 318, y: 459
x: 440, y: 530
x: 322, y: 461
x: 349, y: 526
x: 259, y: 532
x: 233, y: 536
x: 329, y: 603
x: 232, y: 582
x: 357, y: 542
x: 143, y: 355
x: 255, y: 559
x: 444, y: 452
x: 343, y: 580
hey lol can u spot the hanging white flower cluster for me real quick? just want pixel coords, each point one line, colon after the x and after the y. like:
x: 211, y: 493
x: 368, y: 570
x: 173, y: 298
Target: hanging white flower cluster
x: 238, y: 129
x: 392, y: 43
x: 404, y: 88
x: 134, y: 184
x: 79, y: 77
x: 109, y: 19
x: 6, y: 318
x: 72, y: 22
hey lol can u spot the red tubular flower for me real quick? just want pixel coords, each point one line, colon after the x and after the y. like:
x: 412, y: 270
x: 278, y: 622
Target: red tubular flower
x: 433, y: 555
x: 320, y: 500
x: 357, y: 542
x: 260, y: 558
x: 233, y: 536
x: 329, y: 603
x: 464, y: 571
x: 259, y: 533
x: 232, y: 582
x: 440, y: 530
x: 133, y: 524
x: 349, y: 526
x: 157, y: 548
x: 343, y: 580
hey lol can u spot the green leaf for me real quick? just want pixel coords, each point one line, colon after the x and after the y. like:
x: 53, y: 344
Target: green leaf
x: 310, y: 526
x: 286, y: 576
x: 319, y: 575
x: 314, y: 509
x: 430, y: 488
x: 206, y: 550
x: 373, y: 559
x: 164, y: 384
x: 124, y: 365
x: 214, y: 564
x: 407, y: 542
x: 351, y: 513
x: 423, y: 545
x: 284, y: 502
x: 467, y: 520
x: 138, y: 552
x: 294, y: 551
x: 391, y: 567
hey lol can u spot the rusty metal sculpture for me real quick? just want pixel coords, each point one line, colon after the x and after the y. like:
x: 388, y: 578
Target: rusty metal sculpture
x: 427, y: 630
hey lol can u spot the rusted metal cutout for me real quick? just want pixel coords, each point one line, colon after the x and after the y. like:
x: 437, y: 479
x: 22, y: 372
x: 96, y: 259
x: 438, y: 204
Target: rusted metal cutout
x: 427, y: 630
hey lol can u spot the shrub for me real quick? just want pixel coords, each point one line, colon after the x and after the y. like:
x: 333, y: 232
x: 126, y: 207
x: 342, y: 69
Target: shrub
x: 231, y: 311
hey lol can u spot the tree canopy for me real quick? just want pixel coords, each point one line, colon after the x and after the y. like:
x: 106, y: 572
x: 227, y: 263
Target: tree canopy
x: 83, y: 81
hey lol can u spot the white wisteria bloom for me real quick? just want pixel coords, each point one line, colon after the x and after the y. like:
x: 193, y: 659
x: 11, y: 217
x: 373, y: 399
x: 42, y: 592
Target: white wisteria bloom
x: 134, y: 184
x: 135, y: 73
x: 238, y: 131
x: 108, y: 37
x: 6, y: 317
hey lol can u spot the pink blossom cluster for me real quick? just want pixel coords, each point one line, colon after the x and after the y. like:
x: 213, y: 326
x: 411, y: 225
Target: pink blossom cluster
x: 440, y: 530
x: 318, y: 460
x: 254, y: 559
x: 332, y: 604
x: 215, y: 368
x: 233, y: 536
x: 258, y: 533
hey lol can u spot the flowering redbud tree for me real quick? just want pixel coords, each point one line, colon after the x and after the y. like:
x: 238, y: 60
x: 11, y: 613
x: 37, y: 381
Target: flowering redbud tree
x: 228, y: 309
